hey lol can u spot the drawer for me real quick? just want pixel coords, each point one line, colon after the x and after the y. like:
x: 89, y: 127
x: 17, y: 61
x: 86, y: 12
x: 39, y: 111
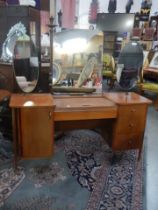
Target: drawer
x: 127, y: 126
x: 131, y: 119
x: 126, y: 142
x: 132, y: 111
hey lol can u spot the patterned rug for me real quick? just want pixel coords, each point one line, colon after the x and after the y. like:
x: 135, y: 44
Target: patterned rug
x: 82, y: 175
x: 115, y: 183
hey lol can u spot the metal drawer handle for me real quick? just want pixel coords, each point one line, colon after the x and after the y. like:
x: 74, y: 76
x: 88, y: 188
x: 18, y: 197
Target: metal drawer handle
x: 131, y: 125
x: 130, y: 141
x: 133, y: 110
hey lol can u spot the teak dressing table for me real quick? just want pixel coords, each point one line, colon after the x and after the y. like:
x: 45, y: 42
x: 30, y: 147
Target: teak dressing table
x: 37, y: 116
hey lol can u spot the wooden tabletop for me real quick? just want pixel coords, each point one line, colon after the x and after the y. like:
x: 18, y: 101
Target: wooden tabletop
x: 31, y: 100
x: 83, y: 108
x: 123, y: 98
x: 82, y: 103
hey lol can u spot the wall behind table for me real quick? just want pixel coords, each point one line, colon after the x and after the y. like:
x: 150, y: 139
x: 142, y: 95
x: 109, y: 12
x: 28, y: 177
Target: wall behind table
x: 103, y: 7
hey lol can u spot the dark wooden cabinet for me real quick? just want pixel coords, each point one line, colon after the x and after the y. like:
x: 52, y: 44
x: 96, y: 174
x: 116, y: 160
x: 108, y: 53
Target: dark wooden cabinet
x: 7, y: 81
x: 30, y: 17
x: 5, y: 114
x: 9, y: 16
x: 44, y: 78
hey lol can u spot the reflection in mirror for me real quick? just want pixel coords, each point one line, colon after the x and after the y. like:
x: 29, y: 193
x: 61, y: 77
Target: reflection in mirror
x: 56, y: 74
x: 78, y: 53
x: 129, y: 65
x: 8, y: 46
x: 26, y: 63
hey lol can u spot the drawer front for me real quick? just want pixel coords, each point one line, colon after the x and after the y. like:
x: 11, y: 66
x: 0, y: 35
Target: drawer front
x: 132, y: 111
x: 131, y: 119
x: 125, y: 142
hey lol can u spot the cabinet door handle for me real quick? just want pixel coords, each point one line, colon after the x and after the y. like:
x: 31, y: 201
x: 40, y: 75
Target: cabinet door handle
x: 50, y: 115
x: 131, y: 125
x: 130, y: 141
x: 133, y: 110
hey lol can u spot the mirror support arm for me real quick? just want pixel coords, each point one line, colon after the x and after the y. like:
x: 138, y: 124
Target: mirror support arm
x: 51, y: 27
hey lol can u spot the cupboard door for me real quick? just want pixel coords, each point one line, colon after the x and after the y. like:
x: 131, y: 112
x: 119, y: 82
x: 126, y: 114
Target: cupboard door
x: 36, y: 132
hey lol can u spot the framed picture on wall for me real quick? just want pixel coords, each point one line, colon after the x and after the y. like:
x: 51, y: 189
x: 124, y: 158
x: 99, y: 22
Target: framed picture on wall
x: 154, y: 61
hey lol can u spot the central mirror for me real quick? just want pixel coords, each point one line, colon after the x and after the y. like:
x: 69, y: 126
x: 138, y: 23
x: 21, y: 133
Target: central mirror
x: 77, y: 61
x: 26, y: 63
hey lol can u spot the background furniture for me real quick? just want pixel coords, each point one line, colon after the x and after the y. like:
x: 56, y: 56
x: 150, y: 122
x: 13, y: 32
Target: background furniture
x: 112, y: 44
x: 154, y: 23
x: 109, y: 72
x: 151, y: 73
x: 5, y: 114
x: 30, y: 17
x: 7, y: 80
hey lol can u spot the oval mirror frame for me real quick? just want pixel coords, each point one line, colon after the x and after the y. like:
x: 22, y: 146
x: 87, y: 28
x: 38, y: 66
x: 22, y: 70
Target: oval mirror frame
x: 26, y: 64
x: 129, y: 65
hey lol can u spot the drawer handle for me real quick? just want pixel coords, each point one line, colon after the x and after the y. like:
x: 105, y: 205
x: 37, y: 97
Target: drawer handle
x: 133, y: 110
x: 130, y: 141
x: 131, y: 125
x: 50, y: 115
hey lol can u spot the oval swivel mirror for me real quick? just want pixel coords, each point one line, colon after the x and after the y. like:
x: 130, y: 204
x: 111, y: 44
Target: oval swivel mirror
x: 26, y: 64
x: 129, y: 65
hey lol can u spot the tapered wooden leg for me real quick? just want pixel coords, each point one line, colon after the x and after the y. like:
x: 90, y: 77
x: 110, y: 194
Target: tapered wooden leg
x: 15, y: 138
x: 139, y: 154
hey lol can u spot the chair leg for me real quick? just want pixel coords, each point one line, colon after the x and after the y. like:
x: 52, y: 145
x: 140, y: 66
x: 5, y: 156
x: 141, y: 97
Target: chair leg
x: 141, y: 92
x: 156, y: 104
x: 111, y: 84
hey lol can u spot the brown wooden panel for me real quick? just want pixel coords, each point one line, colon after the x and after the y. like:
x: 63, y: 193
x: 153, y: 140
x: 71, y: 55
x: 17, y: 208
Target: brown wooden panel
x: 123, y: 98
x: 44, y: 79
x: 3, y: 94
x: 37, y: 132
x: 82, y: 124
x: 85, y: 114
x: 31, y: 100
x: 126, y: 142
x: 131, y: 119
x: 82, y: 103
x: 83, y: 108
x: 7, y: 77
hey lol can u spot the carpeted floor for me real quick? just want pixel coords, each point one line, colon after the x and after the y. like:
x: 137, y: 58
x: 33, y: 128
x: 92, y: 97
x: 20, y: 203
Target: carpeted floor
x: 82, y: 175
